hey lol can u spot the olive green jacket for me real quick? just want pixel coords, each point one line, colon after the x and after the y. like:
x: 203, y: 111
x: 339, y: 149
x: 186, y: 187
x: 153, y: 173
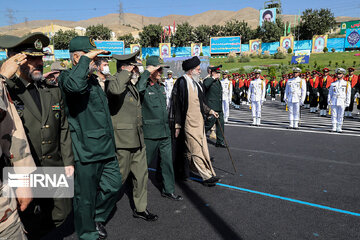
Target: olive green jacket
x: 155, y: 114
x: 47, y: 132
x: 213, y: 94
x: 86, y: 107
x: 125, y: 110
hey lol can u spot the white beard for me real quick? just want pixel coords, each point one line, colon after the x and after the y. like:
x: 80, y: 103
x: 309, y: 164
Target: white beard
x: 195, y: 77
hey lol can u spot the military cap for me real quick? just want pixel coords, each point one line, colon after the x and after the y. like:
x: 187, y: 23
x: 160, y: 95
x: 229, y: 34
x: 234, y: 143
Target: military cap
x: 84, y: 44
x: 226, y: 72
x: 169, y: 72
x: 130, y: 59
x: 340, y: 70
x: 233, y: 74
x: 350, y: 69
x: 31, y: 44
x: 326, y: 70
x: 155, y: 61
x: 191, y: 63
x: 257, y: 71
x: 296, y: 70
x: 274, y: 77
x: 216, y: 68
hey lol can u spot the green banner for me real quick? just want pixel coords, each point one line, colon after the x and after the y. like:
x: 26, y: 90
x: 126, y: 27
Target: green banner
x: 349, y: 25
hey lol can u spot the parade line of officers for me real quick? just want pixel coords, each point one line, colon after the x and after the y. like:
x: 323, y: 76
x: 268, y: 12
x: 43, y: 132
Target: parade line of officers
x: 106, y: 129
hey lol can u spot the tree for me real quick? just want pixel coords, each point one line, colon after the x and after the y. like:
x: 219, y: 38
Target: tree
x: 202, y: 34
x: 315, y: 22
x: 150, y: 36
x: 63, y: 38
x: 98, y: 32
x: 237, y: 28
x: 184, y: 35
x: 270, y: 32
x: 216, y: 31
x: 128, y: 39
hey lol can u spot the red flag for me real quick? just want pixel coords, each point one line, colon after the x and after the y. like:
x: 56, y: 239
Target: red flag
x: 164, y: 34
x: 169, y: 30
x: 174, y: 26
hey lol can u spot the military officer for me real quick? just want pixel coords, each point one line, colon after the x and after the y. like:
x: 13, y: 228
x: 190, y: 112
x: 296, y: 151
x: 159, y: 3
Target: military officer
x: 51, y: 77
x: 41, y: 109
x: 12, y: 138
x: 156, y: 124
x: 125, y: 110
x: 227, y: 89
x: 313, y: 91
x: 213, y: 98
x: 256, y: 96
x: 295, y: 93
x: 273, y: 87
x: 169, y: 84
x: 353, y: 79
x: 338, y: 99
x: 97, y: 175
x: 282, y: 86
x: 324, y: 85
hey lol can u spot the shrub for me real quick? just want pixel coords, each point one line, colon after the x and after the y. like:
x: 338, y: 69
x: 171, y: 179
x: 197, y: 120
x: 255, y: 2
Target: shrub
x: 354, y: 63
x: 201, y: 54
x: 325, y: 50
x: 329, y: 63
x: 230, y: 59
x: 147, y: 57
x: 343, y: 61
x: 333, y: 50
x: 244, y: 59
x: 289, y: 51
x: 336, y: 64
x: 174, y: 55
x: 279, y: 55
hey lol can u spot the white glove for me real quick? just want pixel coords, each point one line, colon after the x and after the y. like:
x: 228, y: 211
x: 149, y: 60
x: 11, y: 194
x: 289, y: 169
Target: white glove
x: 318, y: 94
x: 307, y: 93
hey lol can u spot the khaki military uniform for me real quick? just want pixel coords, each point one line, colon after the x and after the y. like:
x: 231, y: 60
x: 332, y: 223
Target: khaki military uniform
x: 48, y: 133
x: 125, y: 109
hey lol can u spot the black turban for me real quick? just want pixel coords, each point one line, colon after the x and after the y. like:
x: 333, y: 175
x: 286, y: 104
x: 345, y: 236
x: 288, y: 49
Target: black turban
x: 190, y: 63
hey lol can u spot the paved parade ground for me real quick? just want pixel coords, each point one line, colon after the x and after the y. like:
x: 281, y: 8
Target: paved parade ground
x: 290, y: 184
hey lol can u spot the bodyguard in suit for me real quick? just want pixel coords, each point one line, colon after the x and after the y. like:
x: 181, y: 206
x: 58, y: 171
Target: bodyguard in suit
x: 97, y: 175
x: 40, y: 107
x: 156, y: 123
x: 213, y: 98
x: 125, y: 109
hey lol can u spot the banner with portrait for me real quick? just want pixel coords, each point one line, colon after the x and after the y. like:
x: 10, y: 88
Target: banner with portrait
x: 319, y: 42
x: 267, y: 15
x: 287, y: 42
x: 255, y: 45
x: 50, y: 51
x: 352, y: 39
x: 196, y: 49
x: 165, y: 50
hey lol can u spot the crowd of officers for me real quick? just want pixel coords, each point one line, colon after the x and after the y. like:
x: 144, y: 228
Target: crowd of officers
x: 101, y: 128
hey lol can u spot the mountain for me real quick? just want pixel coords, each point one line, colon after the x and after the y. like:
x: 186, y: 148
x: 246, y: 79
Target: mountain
x: 132, y: 23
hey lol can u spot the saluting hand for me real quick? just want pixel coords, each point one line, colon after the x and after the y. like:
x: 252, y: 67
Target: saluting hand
x: 94, y: 53
x: 152, y: 69
x: 11, y: 66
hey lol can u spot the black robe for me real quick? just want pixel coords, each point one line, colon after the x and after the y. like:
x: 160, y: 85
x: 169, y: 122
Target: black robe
x: 177, y: 115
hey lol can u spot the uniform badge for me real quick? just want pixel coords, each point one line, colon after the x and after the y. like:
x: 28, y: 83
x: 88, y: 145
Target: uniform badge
x: 57, y: 115
x: 131, y: 99
x: 151, y: 93
x: 62, y: 64
x: 56, y: 107
x: 92, y: 42
x: 38, y: 45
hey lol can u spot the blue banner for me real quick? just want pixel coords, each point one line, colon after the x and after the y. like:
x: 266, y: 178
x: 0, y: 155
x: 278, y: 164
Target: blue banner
x: 220, y: 45
x: 2, y: 55
x: 115, y: 47
x: 300, y: 59
x: 352, y: 39
x: 62, y: 54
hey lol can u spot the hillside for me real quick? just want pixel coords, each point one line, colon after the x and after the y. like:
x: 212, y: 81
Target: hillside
x: 133, y: 22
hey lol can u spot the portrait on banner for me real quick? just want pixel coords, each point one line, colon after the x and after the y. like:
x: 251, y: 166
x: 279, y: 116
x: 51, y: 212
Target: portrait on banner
x: 267, y: 15
x: 319, y: 42
x: 287, y: 42
x: 196, y: 49
x: 255, y: 45
x: 165, y: 50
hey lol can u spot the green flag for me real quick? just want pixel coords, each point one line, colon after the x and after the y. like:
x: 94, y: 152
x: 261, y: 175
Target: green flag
x: 285, y: 30
x: 289, y: 28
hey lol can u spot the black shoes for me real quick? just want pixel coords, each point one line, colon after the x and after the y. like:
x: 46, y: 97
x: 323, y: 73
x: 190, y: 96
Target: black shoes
x: 101, y: 230
x: 220, y: 145
x: 146, y: 215
x: 211, y: 181
x: 172, y: 196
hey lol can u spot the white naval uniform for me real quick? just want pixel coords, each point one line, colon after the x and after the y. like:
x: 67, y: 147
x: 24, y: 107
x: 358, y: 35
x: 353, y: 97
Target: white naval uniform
x: 339, y: 98
x: 227, y: 89
x: 169, y: 84
x: 256, y: 96
x: 295, y: 93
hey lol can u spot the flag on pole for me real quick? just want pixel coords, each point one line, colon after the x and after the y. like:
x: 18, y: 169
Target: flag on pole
x: 289, y: 28
x: 169, y: 33
x: 174, y: 26
x: 285, y: 30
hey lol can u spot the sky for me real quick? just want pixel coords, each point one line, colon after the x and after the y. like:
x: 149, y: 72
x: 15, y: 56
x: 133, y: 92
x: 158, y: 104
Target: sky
x: 75, y: 10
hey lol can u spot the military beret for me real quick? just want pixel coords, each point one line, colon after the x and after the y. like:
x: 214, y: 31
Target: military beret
x: 31, y: 44
x: 190, y: 63
x: 156, y: 61
x: 296, y: 70
x: 130, y: 59
x: 84, y: 44
x: 257, y: 71
x: 350, y: 69
x: 326, y: 70
x: 340, y: 70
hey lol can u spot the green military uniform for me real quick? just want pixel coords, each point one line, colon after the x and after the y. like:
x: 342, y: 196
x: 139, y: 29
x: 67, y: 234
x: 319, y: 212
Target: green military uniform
x: 156, y: 127
x: 40, y: 108
x: 93, y: 143
x: 125, y: 109
x: 213, y: 98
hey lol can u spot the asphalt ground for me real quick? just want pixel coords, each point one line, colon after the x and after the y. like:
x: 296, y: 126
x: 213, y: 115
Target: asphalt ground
x: 288, y: 185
